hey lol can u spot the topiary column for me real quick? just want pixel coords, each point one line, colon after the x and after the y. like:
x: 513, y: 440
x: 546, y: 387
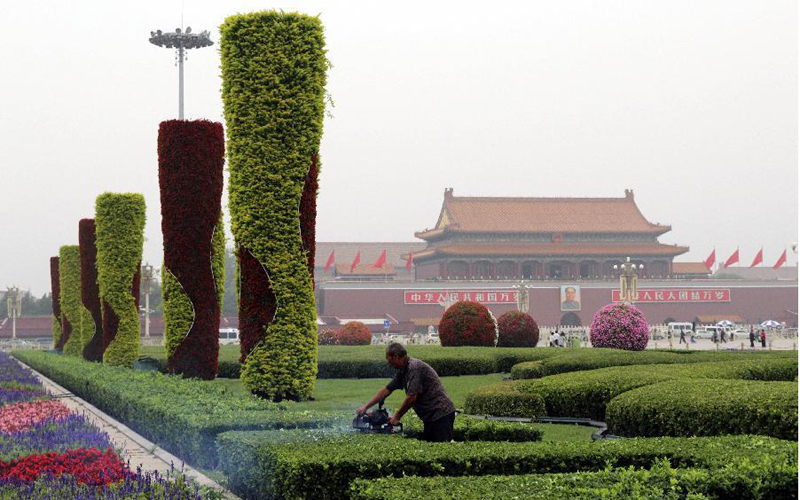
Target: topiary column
x: 73, y: 314
x: 90, y: 291
x: 55, y: 293
x: 119, y: 221
x: 273, y: 76
x: 191, y: 155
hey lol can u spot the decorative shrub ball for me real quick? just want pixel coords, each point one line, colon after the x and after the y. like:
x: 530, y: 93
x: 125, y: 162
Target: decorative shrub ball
x: 517, y: 329
x: 354, y: 333
x: 467, y: 323
x: 619, y: 326
x: 326, y: 337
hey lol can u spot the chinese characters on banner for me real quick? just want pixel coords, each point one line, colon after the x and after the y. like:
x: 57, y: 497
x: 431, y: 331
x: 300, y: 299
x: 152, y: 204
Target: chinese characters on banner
x: 680, y: 295
x: 434, y: 297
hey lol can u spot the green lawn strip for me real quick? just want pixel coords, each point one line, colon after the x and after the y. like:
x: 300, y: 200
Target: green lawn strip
x: 766, y: 479
x: 706, y: 408
x: 281, y: 465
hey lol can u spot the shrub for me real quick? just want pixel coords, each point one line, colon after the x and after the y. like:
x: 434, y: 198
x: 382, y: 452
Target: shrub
x: 619, y: 326
x: 706, y: 408
x: 467, y: 323
x: 90, y: 292
x: 273, y: 89
x: 73, y: 312
x: 191, y: 155
x: 504, y: 400
x: 517, y: 329
x: 473, y: 429
x: 326, y: 337
x: 55, y: 288
x: 354, y: 333
x: 119, y: 220
x: 264, y: 465
x: 183, y: 416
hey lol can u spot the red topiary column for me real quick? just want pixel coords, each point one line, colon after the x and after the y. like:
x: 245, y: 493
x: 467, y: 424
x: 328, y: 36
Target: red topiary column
x: 55, y: 287
x: 90, y: 291
x: 467, y: 323
x: 191, y: 155
x: 308, y: 213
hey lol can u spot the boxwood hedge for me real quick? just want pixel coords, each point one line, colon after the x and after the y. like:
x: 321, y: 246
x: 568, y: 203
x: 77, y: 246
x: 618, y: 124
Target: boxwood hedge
x: 706, y: 408
x: 74, y: 315
x: 473, y: 429
x: 183, y: 416
x: 259, y: 465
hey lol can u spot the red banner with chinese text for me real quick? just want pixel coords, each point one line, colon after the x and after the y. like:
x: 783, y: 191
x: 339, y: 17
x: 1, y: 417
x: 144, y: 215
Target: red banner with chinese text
x: 680, y: 295
x: 434, y: 297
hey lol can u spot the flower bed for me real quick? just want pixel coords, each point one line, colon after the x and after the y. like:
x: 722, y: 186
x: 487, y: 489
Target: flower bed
x: 46, y: 451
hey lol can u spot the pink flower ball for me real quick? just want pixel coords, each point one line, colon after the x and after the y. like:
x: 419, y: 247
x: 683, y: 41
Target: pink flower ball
x: 620, y: 326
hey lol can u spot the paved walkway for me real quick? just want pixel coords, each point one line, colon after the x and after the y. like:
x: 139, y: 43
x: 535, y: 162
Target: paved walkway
x: 132, y: 446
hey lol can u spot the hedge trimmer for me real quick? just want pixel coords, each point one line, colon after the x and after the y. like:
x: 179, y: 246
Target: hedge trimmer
x: 376, y: 421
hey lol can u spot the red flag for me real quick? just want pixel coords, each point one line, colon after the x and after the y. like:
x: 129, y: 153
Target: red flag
x: 331, y: 261
x: 381, y: 260
x: 759, y: 258
x: 356, y: 261
x: 781, y: 261
x: 410, y: 261
x: 733, y: 259
x: 711, y: 258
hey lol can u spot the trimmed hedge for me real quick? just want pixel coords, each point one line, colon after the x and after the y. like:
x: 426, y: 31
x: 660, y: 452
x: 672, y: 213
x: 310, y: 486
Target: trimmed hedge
x: 191, y: 155
x: 353, y: 333
x: 467, y: 323
x: 259, y: 465
x: 517, y: 329
x: 73, y: 312
x: 273, y: 88
x: 767, y: 478
x: 706, y: 408
x: 119, y: 219
x: 473, y: 429
x: 589, y: 359
x: 506, y: 399
x: 183, y: 416
x: 55, y: 288
x: 90, y: 292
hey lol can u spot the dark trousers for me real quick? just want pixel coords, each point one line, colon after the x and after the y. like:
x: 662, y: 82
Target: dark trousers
x: 439, y: 431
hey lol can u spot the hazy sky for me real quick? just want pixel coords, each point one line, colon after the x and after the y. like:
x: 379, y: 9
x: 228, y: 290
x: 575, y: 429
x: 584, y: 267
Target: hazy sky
x: 692, y: 104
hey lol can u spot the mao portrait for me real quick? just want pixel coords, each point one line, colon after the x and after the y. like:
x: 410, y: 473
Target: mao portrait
x: 570, y: 298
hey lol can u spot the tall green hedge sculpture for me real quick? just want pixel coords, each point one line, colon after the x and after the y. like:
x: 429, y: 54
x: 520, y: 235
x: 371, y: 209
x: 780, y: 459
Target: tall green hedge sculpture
x: 273, y: 89
x: 119, y: 219
x: 73, y: 314
x: 55, y: 293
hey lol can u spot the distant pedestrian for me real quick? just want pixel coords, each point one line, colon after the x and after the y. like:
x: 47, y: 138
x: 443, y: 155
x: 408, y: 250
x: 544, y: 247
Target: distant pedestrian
x: 752, y: 337
x: 722, y: 335
x: 692, y: 336
x: 562, y: 340
x: 763, y: 338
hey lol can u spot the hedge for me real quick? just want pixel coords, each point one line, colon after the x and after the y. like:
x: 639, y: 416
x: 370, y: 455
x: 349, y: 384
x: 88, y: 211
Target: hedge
x: 766, y: 478
x: 590, y: 359
x: 273, y: 89
x: 258, y: 465
x: 74, y: 315
x: 55, y: 290
x: 586, y: 394
x: 506, y: 399
x: 90, y: 292
x: 473, y: 429
x: 183, y: 416
x: 191, y: 155
x: 706, y: 408
x: 119, y: 219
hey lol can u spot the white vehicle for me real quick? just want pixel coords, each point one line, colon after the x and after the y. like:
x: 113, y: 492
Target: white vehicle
x: 713, y: 332
x: 228, y: 336
x: 676, y: 327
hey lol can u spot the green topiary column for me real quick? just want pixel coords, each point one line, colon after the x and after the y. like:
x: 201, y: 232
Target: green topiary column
x: 119, y: 219
x: 55, y: 286
x: 74, y: 314
x: 273, y: 89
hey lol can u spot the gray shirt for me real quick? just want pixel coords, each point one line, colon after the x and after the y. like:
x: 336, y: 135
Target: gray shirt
x: 417, y: 377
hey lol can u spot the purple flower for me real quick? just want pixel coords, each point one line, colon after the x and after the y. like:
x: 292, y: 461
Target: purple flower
x: 619, y: 326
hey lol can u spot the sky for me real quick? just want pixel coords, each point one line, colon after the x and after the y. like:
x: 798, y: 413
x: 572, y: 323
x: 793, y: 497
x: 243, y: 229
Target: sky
x: 693, y: 105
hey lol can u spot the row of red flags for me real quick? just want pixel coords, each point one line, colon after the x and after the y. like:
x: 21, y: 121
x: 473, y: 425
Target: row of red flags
x: 377, y: 265
x: 734, y: 259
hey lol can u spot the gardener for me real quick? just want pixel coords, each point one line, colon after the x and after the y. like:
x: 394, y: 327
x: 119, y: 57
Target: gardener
x: 424, y: 392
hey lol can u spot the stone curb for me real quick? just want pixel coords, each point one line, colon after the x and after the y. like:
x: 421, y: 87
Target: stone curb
x: 130, y: 436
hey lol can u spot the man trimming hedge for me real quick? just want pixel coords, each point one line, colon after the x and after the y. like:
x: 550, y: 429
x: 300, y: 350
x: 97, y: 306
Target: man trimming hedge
x: 424, y: 392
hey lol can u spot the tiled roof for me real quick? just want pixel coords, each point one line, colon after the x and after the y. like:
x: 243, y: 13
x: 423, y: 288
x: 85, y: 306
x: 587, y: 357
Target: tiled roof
x: 716, y: 318
x: 370, y: 251
x: 546, y: 249
x: 690, y: 268
x: 541, y: 215
x: 365, y: 269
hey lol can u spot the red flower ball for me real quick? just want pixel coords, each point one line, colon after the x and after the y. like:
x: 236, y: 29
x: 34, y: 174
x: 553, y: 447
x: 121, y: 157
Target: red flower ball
x: 467, y: 323
x: 354, y: 333
x: 517, y: 329
x: 326, y: 337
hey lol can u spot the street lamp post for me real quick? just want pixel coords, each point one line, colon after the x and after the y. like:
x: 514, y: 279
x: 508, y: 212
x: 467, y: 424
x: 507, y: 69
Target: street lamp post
x: 147, y: 278
x: 628, y: 280
x: 14, y: 301
x: 181, y: 41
